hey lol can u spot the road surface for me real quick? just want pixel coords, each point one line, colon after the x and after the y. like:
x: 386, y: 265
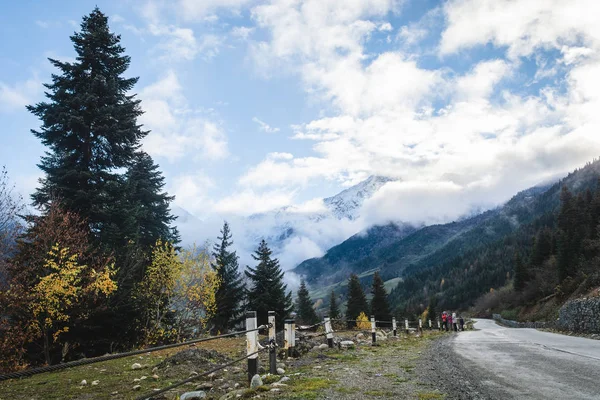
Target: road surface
x: 518, y: 363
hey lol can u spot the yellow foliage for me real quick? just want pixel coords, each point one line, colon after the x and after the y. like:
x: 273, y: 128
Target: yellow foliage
x: 184, y: 284
x: 362, y: 322
x: 56, y: 293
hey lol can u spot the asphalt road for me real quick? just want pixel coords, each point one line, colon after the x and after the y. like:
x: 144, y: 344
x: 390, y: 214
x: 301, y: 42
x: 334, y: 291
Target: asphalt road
x: 508, y: 363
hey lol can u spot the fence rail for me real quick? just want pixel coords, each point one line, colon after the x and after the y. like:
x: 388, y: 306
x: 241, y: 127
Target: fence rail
x: 108, y: 357
x: 253, y: 347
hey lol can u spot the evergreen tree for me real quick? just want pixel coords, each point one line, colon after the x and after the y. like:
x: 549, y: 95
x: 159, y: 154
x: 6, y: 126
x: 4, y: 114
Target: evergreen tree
x: 89, y: 124
x: 230, y: 294
x: 379, y: 303
x: 304, y: 306
x: 357, y: 302
x: 520, y: 273
x: 150, y: 214
x: 268, y: 292
x: 334, y: 311
x: 90, y: 127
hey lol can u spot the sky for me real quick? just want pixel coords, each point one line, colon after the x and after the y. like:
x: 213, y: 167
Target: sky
x: 257, y: 105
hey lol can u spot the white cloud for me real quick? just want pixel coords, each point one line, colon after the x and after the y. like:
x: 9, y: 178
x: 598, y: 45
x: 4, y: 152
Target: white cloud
x: 176, y: 130
x: 242, y: 32
x: 18, y: 95
x: 389, y: 115
x: 181, y: 43
x: 520, y: 26
x: 263, y: 126
x: 247, y: 202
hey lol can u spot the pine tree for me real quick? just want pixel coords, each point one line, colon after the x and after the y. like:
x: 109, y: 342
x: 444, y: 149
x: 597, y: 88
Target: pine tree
x: 150, y: 213
x: 90, y: 127
x: 89, y: 124
x: 357, y: 302
x: 334, y: 311
x: 432, y: 308
x: 520, y: 273
x: 268, y: 292
x: 230, y: 295
x: 304, y: 307
x: 379, y: 304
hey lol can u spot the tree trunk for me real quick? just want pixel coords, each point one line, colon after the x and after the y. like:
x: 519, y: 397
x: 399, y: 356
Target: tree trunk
x: 46, y: 347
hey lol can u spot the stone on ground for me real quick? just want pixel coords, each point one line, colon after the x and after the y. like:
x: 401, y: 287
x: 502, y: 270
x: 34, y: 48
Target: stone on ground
x: 256, y: 381
x: 193, y: 395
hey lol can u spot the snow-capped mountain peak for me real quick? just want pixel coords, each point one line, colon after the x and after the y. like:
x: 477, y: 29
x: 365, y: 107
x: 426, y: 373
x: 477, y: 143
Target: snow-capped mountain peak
x: 347, y: 203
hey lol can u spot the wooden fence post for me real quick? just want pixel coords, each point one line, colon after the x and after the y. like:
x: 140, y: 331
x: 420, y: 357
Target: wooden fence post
x: 439, y: 325
x: 394, y: 325
x: 292, y: 337
x: 373, y: 334
x: 287, y: 335
x: 329, y: 331
x: 272, y: 342
x: 406, y: 325
x: 429, y: 324
x: 251, y: 344
x: 420, y: 325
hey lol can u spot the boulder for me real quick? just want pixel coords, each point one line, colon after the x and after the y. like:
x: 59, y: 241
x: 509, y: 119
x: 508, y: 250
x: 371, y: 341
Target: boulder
x: 280, y: 371
x: 256, y: 381
x: 193, y: 395
x: 136, y: 366
x: 347, y: 344
x: 323, y: 346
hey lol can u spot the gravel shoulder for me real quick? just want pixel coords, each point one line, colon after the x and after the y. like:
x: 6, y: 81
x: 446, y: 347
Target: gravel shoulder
x: 457, y: 377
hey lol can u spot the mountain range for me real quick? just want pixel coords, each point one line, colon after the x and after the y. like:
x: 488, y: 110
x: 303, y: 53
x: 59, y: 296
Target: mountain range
x: 457, y: 261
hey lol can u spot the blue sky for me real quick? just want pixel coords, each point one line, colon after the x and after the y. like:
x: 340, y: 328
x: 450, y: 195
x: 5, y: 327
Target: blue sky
x: 255, y: 105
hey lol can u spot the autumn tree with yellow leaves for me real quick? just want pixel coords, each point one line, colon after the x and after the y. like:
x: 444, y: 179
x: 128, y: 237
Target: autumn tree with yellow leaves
x: 54, y: 297
x: 178, y: 290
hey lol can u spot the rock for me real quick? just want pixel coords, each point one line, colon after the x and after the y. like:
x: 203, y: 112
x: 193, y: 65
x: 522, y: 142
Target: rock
x: 261, y: 369
x: 233, y: 395
x: 256, y: 381
x: 155, y: 377
x: 204, y: 386
x: 280, y: 371
x: 284, y: 379
x: 323, y: 346
x: 237, y: 385
x: 143, y: 377
x: 347, y: 344
x: 281, y: 365
x: 136, y: 380
x: 210, y: 376
x: 317, y: 367
x: 136, y: 366
x: 193, y: 395
x: 275, y: 390
x: 114, y: 393
x: 137, y: 387
x: 315, y: 348
x: 95, y: 383
x: 360, y: 336
x: 277, y: 384
x: 83, y: 383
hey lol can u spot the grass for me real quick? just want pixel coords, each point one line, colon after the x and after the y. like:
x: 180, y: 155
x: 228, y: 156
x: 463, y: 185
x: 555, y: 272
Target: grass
x: 307, y: 387
x: 113, y: 376
x: 378, y: 393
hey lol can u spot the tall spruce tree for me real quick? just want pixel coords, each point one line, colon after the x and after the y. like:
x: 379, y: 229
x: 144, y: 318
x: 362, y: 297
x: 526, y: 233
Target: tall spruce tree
x: 89, y: 125
x: 231, y: 292
x: 357, y: 302
x: 268, y: 292
x: 379, y: 303
x: 150, y: 214
x: 304, y: 306
x: 334, y: 310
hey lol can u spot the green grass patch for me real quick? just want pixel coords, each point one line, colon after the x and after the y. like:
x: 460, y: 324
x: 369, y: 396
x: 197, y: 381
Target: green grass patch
x: 378, y: 393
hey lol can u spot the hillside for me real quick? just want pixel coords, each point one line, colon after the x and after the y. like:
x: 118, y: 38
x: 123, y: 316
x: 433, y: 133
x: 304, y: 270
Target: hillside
x: 470, y: 256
